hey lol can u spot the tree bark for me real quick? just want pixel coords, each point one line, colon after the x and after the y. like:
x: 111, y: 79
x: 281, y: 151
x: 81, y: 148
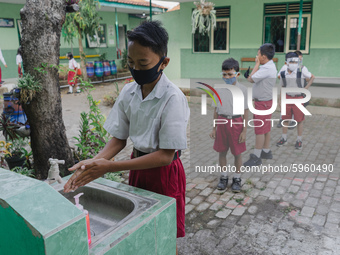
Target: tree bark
x: 82, y: 54
x: 42, y: 22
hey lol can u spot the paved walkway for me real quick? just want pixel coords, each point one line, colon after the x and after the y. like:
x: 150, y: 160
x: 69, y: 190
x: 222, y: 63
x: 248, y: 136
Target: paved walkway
x: 276, y: 213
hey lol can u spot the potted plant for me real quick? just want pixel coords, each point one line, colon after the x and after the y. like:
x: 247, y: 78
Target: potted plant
x: 29, y: 87
x: 8, y: 128
x: 14, y: 152
x: 203, y: 17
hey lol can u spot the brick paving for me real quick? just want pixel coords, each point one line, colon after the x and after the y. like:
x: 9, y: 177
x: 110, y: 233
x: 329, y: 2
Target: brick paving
x: 276, y: 213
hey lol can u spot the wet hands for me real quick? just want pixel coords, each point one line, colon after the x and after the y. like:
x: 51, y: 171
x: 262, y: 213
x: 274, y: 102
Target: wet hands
x: 86, y: 171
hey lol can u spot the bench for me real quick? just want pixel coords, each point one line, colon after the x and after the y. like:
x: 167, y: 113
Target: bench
x: 245, y: 60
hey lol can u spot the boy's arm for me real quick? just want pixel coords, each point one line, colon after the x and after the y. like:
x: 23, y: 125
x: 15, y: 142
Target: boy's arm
x: 213, y: 132
x: 111, y: 149
x: 2, y: 59
x: 256, y: 68
x: 310, y: 81
x: 243, y: 135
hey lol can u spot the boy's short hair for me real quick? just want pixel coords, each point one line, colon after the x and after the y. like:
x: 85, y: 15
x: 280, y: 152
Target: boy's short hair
x: 299, y: 53
x: 151, y: 34
x: 229, y: 64
x: 291, y: 55
x: 268, y: 50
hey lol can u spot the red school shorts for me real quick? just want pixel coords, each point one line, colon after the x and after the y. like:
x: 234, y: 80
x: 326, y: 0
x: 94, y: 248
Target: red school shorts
x: 166, y: 180
x: 264, y: 126
x: 293, y: 109
x: 227, y: 136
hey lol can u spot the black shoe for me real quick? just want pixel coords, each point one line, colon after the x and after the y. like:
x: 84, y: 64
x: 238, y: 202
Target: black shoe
x: 69, y: 92
x: 298, y: 145
x: 266, y: 155
x: 291, y: 125
x: 281, y: 142
x: 236, y: 185
x: 1, y: 82
x: 253, y: 161
x: 222, y: 185
x: 279, y: 125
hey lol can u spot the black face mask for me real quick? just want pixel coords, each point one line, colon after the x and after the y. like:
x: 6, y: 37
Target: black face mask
x: 146, y: 76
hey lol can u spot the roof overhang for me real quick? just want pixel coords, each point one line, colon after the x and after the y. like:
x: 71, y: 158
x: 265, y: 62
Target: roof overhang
x: 110, y: 7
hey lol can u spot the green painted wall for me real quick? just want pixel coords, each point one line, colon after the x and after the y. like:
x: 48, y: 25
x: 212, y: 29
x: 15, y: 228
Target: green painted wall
x: 14, y: 228
x: 173, y: 70
x: 134, y: 22
x: 9, y: 42
x: 246, y: 33
x: 325, y: 28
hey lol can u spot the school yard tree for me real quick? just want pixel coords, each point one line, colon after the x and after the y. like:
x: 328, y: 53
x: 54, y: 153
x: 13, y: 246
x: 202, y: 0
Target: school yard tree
x: 42, y: 22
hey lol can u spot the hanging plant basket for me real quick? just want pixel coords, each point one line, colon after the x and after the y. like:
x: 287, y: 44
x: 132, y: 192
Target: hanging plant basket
x: 203, y: 17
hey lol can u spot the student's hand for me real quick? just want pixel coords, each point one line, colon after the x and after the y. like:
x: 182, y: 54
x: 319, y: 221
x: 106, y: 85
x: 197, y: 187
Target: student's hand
x: 242, y: 137
x: 6, y: 66
x: 213, y: 134
x: 86, y: 171
x: 257, y: 60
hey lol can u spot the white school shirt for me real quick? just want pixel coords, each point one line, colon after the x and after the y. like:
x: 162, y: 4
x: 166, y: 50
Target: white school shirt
x: 2, y: 58
x: 291, y: 79
x: 158, y: 121
x: 283, y: 68
x: 227, y: 99
x: 72, y: 64
x: 265, y: 79
x: 18, y: 59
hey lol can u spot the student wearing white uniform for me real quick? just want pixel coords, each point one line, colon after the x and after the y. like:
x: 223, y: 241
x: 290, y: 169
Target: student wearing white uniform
x: 294, y: 77
x: 4, y: 63
x: 19, y: 62
x: 72, y: 74
x: 154, y: 113
x: 284, y: 68
x: 229, y: 135
x: 263, y: 79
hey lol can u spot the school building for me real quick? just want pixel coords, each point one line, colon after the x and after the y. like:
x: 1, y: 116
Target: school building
x: 118, y: 16
x: 244, y: 25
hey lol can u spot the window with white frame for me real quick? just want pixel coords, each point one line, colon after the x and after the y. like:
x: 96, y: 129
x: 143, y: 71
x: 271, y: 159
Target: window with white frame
x: 281, y: 26
x: 217, y: 40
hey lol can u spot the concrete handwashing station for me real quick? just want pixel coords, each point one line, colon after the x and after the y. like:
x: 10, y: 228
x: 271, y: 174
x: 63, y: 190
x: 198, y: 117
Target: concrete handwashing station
x: 37, y: 218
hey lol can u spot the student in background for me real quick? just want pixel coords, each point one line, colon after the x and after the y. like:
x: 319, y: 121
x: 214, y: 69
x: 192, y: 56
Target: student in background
x: 294, y: 77
x: 230, y: 135
x: 72, y: 74
x: 19, y: 62
x: 264, y: 80
x: 4, y: 63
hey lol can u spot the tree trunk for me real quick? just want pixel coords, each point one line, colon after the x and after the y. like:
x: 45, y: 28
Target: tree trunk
x: 42, y: 21
x: 82, y: 55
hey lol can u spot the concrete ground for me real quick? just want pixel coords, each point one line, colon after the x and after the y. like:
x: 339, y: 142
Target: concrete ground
x: 276, y: 213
